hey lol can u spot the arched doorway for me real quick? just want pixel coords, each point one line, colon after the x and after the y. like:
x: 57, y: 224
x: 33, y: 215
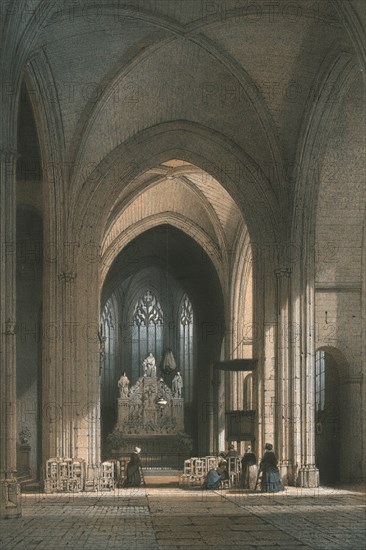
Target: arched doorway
x: 327, y: 417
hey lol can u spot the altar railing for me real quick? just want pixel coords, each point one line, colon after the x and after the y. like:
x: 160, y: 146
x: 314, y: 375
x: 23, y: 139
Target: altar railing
x: 157, y: 461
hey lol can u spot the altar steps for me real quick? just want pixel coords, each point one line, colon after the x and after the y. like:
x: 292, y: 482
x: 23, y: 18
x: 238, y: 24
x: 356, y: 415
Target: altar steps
x: 161, y: 478
x: 29, y: 484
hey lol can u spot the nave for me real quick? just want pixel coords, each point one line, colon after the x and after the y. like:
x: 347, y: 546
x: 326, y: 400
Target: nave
x: 156, y: 518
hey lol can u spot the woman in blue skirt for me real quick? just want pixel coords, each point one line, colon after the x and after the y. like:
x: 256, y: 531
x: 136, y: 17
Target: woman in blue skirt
x: 216, y: 476
x: 271, y: 480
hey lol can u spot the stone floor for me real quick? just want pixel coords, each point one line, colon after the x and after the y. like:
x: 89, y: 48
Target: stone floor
x: 164, y: 518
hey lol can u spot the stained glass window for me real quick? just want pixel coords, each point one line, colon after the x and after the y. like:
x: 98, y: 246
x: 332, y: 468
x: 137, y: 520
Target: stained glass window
x: 320, y: 380
x: 186, y: 347
x: 248, y: 392
x: 107, y: 343
x: 147, y: 331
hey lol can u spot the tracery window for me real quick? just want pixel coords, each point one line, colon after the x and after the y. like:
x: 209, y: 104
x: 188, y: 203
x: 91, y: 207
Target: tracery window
x: 147, y: 331
x: 186, y: 346
x: 320, y: 380
x: 248, y: 392
x: 107, y: 348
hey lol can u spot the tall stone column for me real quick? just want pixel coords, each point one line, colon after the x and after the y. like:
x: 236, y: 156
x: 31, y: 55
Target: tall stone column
x: 70, y: 336
x: 265, y: 321
x: 296, y: 365
x: 308, y: 473
x: 10, y: 504
x: 283, y: 416
x: 87, y: 371
x: 302, y: 353
x: 57, y: 363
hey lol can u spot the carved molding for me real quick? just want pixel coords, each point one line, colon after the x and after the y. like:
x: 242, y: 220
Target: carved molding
x: 283, y: 272
x: 67, y: 276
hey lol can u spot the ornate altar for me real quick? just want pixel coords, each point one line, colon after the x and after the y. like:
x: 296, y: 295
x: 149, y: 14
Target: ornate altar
x: 150, y: 409
x: 150, y: 414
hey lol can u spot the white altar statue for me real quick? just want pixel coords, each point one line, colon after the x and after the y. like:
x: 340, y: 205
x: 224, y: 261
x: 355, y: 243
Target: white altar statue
x: 123, y: 383
x: 149, y: 365
x: 177, y: 385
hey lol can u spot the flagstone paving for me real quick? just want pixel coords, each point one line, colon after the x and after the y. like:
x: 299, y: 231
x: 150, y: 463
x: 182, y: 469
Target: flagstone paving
x: 156, y: 518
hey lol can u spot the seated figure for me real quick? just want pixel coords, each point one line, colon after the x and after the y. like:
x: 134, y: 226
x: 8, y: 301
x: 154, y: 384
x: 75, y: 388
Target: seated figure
x: 216, y: 476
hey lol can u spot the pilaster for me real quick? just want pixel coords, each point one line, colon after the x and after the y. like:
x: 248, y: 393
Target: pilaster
x: 10, y: 504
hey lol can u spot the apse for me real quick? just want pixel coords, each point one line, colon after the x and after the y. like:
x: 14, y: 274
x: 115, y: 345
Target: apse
x: 166, y: 296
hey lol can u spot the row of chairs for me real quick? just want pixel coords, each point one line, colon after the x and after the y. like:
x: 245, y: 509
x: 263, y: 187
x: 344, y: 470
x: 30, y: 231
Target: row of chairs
x: 196, y: 468
x: 71, y: 475
x: 63, y: 474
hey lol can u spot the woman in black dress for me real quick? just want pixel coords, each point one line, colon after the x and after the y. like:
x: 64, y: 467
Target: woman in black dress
x: 133, y: 476
x: 271, y: 480
x: 249, y: 470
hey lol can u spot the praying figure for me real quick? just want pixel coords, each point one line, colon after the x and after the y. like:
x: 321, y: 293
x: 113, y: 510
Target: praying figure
x: 123, y: 384
x: 149, y: 365
x: 177, y: 385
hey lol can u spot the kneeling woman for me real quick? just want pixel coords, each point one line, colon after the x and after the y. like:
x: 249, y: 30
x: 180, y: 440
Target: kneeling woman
x: 133, y: 476
x: 216, y: 476
x: 271, y: 480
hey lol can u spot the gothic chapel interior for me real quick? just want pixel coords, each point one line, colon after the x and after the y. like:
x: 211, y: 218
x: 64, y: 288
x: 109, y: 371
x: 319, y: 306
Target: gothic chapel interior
x: 186, y: 176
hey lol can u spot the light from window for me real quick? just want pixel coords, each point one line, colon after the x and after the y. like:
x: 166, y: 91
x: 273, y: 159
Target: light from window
x: 107, y: 334
x: 248, y: 392
x: 186, y: 347
x: 320, y: 380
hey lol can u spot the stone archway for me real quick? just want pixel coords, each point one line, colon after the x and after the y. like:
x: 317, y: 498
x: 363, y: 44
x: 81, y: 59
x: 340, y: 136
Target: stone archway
x: 180, y: 267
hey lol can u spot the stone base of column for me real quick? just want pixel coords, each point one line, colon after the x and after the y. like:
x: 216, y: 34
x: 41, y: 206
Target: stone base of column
x: 308, y: 476
x: 285, y: 469
x: 10, y: 499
